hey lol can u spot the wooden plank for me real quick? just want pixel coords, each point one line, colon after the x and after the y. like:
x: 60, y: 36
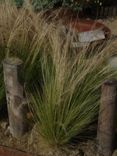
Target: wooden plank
x: 5, y: 151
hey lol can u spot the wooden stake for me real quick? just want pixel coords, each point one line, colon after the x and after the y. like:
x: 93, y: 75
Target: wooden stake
x: 106, y: 129
x: 17, y: 107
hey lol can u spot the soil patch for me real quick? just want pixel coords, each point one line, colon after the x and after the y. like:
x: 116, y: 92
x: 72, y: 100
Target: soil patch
x: 32, y: 143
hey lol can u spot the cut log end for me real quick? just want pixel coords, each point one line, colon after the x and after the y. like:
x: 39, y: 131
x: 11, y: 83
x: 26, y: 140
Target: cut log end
x: 13, y: 61
x: 111, y: 82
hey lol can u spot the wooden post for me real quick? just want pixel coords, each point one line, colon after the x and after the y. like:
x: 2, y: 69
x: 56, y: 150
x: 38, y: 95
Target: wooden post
x: 17, y: 107
x: 106, y: 123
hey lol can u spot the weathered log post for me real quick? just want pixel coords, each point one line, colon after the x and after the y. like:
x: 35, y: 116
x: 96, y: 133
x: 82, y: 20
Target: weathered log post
x: 106, y: 122
x: 16, y: 103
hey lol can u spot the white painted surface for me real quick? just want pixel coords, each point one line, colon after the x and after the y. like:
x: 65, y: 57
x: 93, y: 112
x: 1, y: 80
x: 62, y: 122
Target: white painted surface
x: 90, y: 36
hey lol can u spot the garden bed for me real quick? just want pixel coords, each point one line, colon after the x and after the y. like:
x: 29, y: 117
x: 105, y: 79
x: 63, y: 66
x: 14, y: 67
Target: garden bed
x: 33, y: 144
x: 61, y: 90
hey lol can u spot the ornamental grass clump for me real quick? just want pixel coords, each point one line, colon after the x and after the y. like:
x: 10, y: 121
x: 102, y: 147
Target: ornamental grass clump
x: 63, y: 82
x: 22, y: 35
x: 69, y: 100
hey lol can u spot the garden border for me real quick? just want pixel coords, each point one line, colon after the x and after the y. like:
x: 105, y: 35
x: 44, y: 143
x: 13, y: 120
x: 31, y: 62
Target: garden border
x: 7, y: 151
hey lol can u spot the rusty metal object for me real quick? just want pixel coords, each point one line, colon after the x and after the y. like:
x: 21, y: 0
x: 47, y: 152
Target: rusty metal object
x: 83, y: 25
x: 106, y: 124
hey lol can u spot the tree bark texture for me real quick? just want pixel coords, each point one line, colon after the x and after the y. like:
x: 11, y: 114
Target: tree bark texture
x: 106, y: 122
x: 17, y: 107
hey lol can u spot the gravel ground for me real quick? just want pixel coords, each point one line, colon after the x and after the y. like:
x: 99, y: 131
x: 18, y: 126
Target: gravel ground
x: 33, y: 143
